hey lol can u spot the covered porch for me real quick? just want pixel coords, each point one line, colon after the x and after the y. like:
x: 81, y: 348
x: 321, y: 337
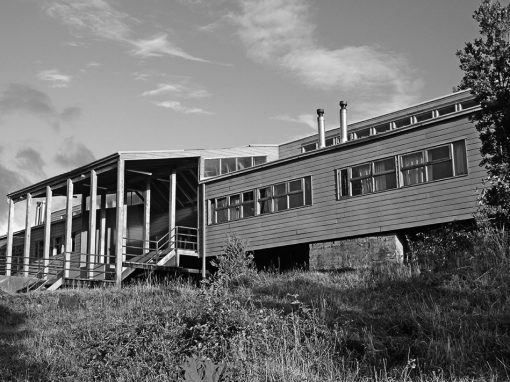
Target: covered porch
x: 128, y: 211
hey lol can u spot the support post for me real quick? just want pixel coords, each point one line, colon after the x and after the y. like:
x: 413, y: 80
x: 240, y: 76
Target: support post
x: 92, y: 224
x: 119, y: 222
x: 10, y: 237
x: 47, y: 231
x: 28, y: 233
x: 204, y: 226
x: 102, y: 230
x: 68, y: 242
x: 172, y: 201
x: 146, y: 215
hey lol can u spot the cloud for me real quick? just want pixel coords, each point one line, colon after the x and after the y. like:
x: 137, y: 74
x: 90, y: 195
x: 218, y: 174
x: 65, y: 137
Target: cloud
x: 73, y: 154
x: 182, y: 90
x: 30, y: 160
x: 178, y: 107
x: 101, y: 20
x: 70, y: 113
x: 307, y: 119
x: 24, y: 99
x: 58, y: 80
x: 93, y: 64
x: 279, y: 33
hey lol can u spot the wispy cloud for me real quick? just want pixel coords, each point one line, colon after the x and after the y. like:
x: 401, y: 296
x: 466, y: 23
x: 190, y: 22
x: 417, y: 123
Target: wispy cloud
x: 307, y: 119
x: 11, y: 180
x: 103, y: 21
x: 30, y: 160
x: 180, y: 108
x: 182, y: 90
x: 279, y: 32
x: 57, y: 79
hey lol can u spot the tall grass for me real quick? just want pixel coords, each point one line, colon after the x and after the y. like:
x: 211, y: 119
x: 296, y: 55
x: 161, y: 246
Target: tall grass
x: 385, y: 324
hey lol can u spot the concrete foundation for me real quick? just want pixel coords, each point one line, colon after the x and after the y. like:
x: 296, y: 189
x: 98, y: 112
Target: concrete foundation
x: 362, y: 252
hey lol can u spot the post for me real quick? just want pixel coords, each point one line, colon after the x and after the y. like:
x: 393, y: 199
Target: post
x: 146, y: 216
x: 92, y: 224
x: 102, y: 230
x: 204, y: 226
x: 68, y: 243
x: 28, y: 232
x: 172, y: 199
x: 10, y: 237
x: 119, y: 222
x: 47, y: 231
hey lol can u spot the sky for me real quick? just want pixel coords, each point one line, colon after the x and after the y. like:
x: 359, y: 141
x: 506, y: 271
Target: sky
x: 82, y: 79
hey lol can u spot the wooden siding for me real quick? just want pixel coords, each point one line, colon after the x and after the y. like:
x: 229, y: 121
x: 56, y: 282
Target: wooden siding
x: 328, y: 218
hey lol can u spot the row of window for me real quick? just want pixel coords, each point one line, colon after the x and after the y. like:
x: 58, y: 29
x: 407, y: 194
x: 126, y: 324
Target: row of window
x: 220, y: 166
x: 422, y: 166
x: 397, y: 124
x: 265, y: 200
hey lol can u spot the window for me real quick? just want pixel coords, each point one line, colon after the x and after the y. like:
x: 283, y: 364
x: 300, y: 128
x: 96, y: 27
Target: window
x: 402, y: 122
x: 221, y: 166
x: 468, y: 104
x: 384, y: 175
x: 278, y: 197
x: 367, y: 178
x: 446, y: 110
x: 363, y: 133
x: 309, y: 147
x: 434, y: 164
x: 423, y: 116
x: 382, y: 128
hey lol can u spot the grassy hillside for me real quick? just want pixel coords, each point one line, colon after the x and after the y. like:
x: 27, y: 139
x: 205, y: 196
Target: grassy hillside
x: 379, y: 324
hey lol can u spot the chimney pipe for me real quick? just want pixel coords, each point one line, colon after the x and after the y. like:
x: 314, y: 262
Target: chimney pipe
x: 343, y: 121
x: 322, y: 133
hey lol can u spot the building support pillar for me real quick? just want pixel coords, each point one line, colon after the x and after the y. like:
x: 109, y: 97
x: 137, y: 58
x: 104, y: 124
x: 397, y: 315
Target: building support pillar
x: 203, y: 213
x: 119, y: 223
x: 91, y: 250
x: 146, y: 216
x: 47, y: 231
x: 172, y: 202
x: 68, y: 241
x: 28, y: 234
x: 102, y: 230
x: 10, y: 237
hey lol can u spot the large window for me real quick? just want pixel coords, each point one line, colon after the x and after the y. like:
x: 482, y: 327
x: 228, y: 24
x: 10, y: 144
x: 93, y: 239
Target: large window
x: 264, y: 200
x: 428, y: 165
x: 220, y: 166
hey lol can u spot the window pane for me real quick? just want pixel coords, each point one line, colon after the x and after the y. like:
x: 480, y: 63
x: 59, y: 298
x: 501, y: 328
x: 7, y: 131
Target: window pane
x: 361, y: 171
x: 412, y: 160
x: 221, y: 202
x: 279, y: 189
x: 235, y: 199
x: 264, y: 200
x: 440, y: 170
x: 280, y: 203
x: 439, y: 153
x: 468, y: 104
x: 249, y: 209
x: 296, y: 200
x: 212, y: 210
x: 382, y: 128
x: 446, y: 110
x: 211, y: 167
x: 243, y: 162
x: 228, y: 165
x: 295, y: 185
x: 309, y: 147
x: 235, y: 212
x: 308, y: 190
x: 221, y: 216
x: 361, y: 186
x: 402, y: 122
x: 344, y: 185
x: 424, y: 116
x: 384, y: 165
x: 247, y: 196
x: 459, y: 153
x: 264, y: 192
x: 363, y: 133
x: 330, y: 141
x: 414, y: 176
x: 385, y: 182
x: 259, y: 160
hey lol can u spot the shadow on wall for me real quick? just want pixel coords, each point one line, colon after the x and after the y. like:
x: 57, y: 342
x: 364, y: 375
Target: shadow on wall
x: 283, y: 258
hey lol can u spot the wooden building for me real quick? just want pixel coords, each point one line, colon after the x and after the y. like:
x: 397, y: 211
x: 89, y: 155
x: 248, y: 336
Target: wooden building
x: 311, y: 200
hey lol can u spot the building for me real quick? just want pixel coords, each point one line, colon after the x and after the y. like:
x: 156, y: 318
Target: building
x: 312, y: 200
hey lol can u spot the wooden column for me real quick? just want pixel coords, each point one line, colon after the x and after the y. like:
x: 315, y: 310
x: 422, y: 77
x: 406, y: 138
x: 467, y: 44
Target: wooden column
x: 172, y: 201
x: 146, y: 215
x: 119, y: 223
x: 28, y: 233
x: 203, y: 212
x: 68, y: 241
x: 47, y: 230
x: 10, y: 237
x: 102, y: 230
x: 91, y: 250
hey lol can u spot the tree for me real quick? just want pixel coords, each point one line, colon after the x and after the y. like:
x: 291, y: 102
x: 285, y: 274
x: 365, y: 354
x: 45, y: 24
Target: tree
x: 486, y: 66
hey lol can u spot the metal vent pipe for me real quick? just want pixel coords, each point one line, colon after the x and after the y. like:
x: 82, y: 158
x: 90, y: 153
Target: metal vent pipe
x: 343, y: 121
x: 320, y: 125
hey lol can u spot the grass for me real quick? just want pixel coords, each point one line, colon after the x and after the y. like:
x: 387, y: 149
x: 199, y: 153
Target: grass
x: 369, y: 325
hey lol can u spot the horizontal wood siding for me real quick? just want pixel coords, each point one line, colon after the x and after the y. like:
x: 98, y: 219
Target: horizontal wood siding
x: 328, y: 218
